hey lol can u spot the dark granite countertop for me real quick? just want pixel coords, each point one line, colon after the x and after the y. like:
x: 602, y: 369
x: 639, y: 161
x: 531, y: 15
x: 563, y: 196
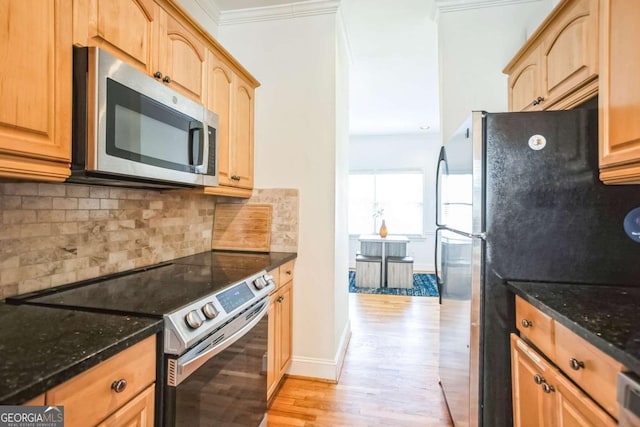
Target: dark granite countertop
x: 246, y: 263
x: 606, y: 316
x: 42, y: 347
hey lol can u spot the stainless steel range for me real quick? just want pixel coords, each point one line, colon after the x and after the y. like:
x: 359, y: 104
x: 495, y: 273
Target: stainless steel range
x: 213, y: 368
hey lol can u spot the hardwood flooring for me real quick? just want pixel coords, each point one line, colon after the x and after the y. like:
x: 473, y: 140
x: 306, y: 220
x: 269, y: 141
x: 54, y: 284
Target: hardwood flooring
x: 390, y: 373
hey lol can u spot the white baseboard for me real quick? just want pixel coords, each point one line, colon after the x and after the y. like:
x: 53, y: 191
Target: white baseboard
x: 325, y: 369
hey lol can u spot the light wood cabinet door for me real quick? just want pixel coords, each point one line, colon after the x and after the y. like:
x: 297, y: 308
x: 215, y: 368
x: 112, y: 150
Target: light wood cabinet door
x: 285, y: 313
x: 110, y: 24
x: 573, y: 408
x: 570, y: 52
x: 280, y: 334
x: 531, y: 405
x: 525, y: 84
x: 232, y: 98
x: 35, y: 94
x: 242, y: 148
x: 219, y: 96
x: 182, y: 58
x: 558, y: 66
x: 619, y: 96
x: 272, y: 370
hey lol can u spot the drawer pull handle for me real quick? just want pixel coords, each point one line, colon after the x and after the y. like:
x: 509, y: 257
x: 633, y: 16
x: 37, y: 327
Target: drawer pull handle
x: 526, y: 323
x: 548, y: 388
x: 119, y: 385
x: 538, y: 379
x: 576, y: 364
x: 280, y: 298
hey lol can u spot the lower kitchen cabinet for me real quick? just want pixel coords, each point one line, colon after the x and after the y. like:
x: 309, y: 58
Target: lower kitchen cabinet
x: 137, y: 413
x: 117, y: 392
x: 280, y: 327
x: 543, y: 396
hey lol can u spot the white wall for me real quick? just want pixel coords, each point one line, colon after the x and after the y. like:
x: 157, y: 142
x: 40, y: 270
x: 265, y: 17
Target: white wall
x: 204, y: 12
x: 298, y: 145
x: 414, y: 151
x: 474, y: 46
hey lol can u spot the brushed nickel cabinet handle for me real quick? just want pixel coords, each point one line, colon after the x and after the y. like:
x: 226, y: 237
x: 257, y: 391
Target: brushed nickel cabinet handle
x: 280, y: 298
x: 576, y: 364
x: 538, y: 379
x: 526, y: 323
x: 167, y: 79
x: 548, y: 388
x: 119, y: 385
x: 157, y: 75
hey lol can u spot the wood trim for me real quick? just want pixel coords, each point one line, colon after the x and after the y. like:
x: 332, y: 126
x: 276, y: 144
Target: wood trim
x: 32, y: 168
x: 577, y: 97
x: 624, y: 174
x: 242, y: 193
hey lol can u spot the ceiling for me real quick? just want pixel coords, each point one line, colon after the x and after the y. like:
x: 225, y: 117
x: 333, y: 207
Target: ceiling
x: 394, y: 63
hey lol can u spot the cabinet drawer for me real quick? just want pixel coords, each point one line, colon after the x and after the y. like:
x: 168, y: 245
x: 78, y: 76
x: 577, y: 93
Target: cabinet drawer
x: 286, y: 272
x: 89, y: 398
x: 595, y: 372
x: 536, y: 326
x: 276, y: 277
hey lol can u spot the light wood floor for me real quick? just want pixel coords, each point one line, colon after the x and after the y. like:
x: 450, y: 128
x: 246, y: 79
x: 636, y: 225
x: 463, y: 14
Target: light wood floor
x: 390, y: 374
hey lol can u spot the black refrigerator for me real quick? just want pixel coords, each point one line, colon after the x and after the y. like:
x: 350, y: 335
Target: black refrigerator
x: 518, y: 198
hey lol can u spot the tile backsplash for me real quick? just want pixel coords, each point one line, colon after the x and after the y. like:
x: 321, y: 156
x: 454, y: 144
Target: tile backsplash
x: 53, y: 234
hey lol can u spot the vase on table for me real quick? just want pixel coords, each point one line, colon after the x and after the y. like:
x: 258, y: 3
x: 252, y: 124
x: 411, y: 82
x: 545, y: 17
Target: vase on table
x: 383, y: 229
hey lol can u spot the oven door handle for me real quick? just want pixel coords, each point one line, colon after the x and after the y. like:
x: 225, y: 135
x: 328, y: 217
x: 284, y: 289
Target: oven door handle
x: 186, y: 368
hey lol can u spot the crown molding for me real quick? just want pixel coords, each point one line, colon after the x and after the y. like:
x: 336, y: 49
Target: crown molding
x: 211, y: 9
x: 283, y: 11
x: 446, y: 6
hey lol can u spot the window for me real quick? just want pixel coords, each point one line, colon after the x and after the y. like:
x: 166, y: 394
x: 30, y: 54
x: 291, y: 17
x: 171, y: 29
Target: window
x: 396, y: 196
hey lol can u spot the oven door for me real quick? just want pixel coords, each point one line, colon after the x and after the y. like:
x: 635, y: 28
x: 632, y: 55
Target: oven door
x: 222, y: 381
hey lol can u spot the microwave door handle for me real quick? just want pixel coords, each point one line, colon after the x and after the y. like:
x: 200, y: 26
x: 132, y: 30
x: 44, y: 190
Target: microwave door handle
x: 196, y: 128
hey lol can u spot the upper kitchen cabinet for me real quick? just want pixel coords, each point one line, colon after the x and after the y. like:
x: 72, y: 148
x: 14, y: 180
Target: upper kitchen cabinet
x: 181, y: 57
x: 147, y: 36
x: 109, y: 24
x: 35, y: 101
x: 160, y: 39
x: 619, y: 97
x: 231, y: 96
x: 558, y: 66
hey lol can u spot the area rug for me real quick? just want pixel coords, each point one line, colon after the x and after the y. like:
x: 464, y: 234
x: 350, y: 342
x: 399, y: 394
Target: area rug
x: 424, y: 285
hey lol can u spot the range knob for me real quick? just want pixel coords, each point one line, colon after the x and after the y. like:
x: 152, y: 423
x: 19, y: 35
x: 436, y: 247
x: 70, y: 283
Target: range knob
x: 193, y: 319
x: 260, y: 283
x: 209, y: 310
x: 269, y: 279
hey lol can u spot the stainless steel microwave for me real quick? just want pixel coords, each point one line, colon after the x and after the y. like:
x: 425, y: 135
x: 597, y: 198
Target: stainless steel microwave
x: 132, y: 130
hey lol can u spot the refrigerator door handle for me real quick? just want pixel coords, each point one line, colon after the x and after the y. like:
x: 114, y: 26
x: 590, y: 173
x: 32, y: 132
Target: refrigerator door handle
x: 435, y: 264
x: 442, y: 158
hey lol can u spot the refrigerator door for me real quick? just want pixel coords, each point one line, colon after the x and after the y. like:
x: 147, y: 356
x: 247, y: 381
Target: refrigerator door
x: 460, y: 288
x: 460, y: 189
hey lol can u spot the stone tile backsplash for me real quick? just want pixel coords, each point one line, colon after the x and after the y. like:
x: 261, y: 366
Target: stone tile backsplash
x: 52, y: 234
